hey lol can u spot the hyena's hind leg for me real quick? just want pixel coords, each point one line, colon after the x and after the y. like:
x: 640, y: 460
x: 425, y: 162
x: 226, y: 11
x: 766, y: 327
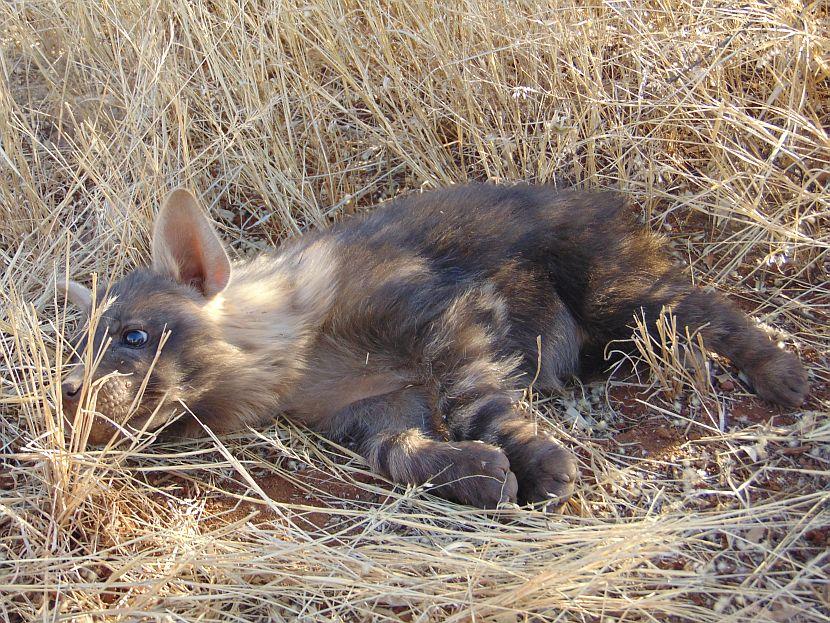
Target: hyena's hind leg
x: 393, y: 433
x: 775, y: 374
x: 632, y: 274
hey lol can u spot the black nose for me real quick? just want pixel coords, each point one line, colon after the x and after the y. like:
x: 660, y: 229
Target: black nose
x: 70, y: 389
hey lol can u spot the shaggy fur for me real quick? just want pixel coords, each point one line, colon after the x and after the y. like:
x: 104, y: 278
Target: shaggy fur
x: 407, y: 333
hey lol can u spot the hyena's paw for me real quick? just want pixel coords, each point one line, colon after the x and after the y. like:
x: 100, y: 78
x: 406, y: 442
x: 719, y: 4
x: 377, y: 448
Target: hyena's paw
x: 479, y: 475
x: 548, y: 472
x: 780, y: 378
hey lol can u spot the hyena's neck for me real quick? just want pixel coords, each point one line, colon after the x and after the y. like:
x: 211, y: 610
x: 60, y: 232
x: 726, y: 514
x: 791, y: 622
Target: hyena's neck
x: 273, y: 306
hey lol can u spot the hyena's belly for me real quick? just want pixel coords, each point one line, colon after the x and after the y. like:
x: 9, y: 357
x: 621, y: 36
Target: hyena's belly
x: 550, y: 345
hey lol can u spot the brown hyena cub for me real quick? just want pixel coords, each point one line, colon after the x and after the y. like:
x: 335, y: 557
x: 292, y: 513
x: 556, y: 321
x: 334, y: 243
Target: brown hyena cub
x: 406, y: 333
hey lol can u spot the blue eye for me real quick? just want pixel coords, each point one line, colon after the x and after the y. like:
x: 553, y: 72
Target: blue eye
x: 135, y: 338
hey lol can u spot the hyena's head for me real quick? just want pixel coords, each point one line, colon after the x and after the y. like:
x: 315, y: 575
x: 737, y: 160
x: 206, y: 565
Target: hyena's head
x: 156, y: 344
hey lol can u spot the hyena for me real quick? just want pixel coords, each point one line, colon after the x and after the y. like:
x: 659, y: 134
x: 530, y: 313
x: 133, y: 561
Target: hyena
x: 406, y: 333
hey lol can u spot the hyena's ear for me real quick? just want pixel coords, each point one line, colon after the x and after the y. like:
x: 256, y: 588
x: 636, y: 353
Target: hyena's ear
x: 186, y: 247
x: 77, y: 294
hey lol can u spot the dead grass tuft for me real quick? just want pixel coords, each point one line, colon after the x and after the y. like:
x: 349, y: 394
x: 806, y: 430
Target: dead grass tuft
x: 676, y: 360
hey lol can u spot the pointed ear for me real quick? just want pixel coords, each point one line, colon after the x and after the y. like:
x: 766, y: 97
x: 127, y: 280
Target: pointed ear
x: 77, y: 294
x: 186, y: 247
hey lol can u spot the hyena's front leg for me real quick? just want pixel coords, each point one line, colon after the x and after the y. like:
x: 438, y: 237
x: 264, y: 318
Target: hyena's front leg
x: 545, y: 471
x: 392, y: 432
x: 775, y: 374
x: 477, y: 402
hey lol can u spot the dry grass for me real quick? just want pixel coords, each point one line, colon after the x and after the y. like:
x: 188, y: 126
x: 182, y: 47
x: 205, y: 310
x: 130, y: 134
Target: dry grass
x: 712, y: 116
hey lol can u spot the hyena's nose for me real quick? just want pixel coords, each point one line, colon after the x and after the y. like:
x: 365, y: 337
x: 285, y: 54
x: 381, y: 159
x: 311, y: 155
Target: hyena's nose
x: 71, y: 390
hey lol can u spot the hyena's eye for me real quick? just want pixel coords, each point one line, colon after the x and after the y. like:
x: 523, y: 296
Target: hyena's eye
x: 135, y: 338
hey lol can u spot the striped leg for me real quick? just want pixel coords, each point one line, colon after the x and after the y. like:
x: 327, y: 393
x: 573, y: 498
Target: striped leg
x: 477, y: 403
x: 545, y: 471
x: 390, y: 432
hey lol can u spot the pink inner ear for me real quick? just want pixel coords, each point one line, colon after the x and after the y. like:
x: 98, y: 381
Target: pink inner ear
x: 186, y: 247
x: 201, y: 269
x: 192, y: 263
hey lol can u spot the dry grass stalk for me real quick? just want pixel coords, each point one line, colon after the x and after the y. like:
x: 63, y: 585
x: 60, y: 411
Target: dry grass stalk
x: 675, y: 359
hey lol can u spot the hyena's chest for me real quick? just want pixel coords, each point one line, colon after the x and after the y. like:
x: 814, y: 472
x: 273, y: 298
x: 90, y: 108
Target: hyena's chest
x: 338, y: 377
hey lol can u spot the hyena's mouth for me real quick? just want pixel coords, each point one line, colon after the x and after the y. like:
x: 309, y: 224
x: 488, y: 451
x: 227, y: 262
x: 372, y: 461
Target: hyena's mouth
x: 114, y: 410
x: 105, y: 428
